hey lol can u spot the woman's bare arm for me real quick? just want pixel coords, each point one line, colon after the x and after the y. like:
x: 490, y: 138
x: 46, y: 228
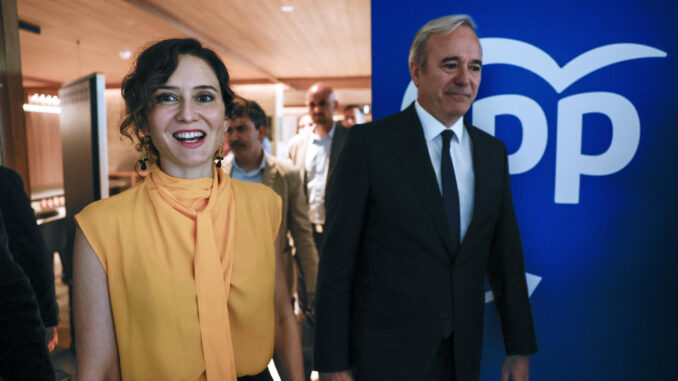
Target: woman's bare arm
x: 288, y: 360
x: 97, y: 349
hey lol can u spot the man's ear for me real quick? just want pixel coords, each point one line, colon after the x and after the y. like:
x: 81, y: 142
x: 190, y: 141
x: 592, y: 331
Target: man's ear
x: 262, y: 132
x: 415, y: 73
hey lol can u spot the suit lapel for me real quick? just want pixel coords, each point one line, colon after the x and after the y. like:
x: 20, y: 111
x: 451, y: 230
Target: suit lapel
x: 337, y: 146
x: 269, y: 172
x: 407, y: 139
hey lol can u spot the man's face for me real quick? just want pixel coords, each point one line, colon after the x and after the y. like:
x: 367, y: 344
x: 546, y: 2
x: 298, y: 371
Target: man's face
x: 448, y: 83
x: 244, y: 138
x: 352, y: 117
x: 321, y: 105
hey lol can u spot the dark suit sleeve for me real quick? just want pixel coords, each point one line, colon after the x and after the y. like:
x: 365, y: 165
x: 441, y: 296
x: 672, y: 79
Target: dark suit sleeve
x: 506, y: 274
x: 23, y: 353
x: 27, y: 244
x: 346, y: 206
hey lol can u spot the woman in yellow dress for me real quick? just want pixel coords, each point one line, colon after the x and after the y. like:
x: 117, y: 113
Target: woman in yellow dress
x: 178, y: 277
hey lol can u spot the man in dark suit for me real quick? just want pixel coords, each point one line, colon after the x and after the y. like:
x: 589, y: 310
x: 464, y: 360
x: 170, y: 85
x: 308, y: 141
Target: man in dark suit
x: 29, y: 250
x: 316, y: 152
x: 23, y: 353
x: 419, y: 212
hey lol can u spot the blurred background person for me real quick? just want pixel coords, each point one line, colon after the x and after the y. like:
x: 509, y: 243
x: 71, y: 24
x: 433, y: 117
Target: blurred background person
x: 23, y: 353
x: 317, y: 152
x: 179, y: 277
x: 305, y: 123
x: 28, y: 248
x: 353, y: 114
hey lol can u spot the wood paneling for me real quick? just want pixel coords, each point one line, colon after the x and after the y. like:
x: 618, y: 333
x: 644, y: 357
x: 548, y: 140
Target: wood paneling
x: 320, y: 38
x: 258, y: 42
x: 44, y: 151
x: 12, y: 124
x: 324, y: 38
x: 81, y: 37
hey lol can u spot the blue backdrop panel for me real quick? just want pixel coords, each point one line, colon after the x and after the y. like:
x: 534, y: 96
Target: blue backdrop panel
x: 584, y: 95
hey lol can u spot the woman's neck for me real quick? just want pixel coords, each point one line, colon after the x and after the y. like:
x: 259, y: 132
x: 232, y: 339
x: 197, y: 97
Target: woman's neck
x: 189, y: 173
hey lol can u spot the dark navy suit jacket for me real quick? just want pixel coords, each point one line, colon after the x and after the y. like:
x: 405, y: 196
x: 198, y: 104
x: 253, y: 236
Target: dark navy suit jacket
x: 23, y: 351
x: 390, y: 284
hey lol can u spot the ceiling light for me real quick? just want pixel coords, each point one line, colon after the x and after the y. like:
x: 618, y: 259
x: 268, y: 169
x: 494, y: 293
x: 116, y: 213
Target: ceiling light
x: 287, y: 8
x: 125, y: 54
x: 41, y: 108
x: 44, y: 100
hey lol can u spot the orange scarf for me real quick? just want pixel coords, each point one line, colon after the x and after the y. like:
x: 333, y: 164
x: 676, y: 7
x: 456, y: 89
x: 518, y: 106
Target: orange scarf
x: 212, y: 286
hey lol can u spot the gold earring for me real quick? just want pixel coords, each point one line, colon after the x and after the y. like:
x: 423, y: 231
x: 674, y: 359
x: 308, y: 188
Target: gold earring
x: 220, y: 155
x: 144, y: 156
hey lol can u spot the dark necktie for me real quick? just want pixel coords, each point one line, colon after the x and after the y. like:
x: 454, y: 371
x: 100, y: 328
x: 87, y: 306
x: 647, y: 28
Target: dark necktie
x: 450, y: 192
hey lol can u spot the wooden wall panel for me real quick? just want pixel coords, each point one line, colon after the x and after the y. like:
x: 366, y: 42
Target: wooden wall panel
x: 12, y: 125
x: 44, y: 151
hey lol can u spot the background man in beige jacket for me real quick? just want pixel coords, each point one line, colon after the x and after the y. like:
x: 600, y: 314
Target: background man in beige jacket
x: 250, y: 163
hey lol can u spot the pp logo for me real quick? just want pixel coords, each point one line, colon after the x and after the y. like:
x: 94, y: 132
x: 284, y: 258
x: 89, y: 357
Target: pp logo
x: 570, y: 162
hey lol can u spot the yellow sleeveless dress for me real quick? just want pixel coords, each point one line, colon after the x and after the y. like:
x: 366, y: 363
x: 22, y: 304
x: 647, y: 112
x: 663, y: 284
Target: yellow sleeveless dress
x: 190, y: 267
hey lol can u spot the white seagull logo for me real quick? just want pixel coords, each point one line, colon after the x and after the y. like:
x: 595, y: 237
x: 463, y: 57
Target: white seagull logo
x: 521, y: 54
x: 518, y: 53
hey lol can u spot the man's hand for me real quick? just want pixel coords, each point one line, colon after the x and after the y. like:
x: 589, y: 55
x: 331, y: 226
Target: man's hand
x: 516, y: 368
x: 336, y: 376
x: 51, y: 338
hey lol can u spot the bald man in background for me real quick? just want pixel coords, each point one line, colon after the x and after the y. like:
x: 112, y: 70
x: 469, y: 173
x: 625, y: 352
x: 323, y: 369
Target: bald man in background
x: 316, y: 153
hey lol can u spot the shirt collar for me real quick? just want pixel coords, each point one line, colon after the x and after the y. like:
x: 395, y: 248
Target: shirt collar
x: 433, y: 127
x: 330, y: 135
x: 261, y: 168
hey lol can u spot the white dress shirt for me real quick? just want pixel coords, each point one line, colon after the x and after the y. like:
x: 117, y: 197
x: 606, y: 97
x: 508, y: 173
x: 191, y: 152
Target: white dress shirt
x: 461, y: 151
x: 317, y: 166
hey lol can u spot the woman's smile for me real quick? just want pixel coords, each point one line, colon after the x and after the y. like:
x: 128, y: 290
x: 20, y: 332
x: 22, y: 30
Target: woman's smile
x: 190, y: 138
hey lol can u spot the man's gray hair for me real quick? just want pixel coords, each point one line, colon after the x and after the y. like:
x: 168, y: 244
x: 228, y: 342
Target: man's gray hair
x: 445, y: 24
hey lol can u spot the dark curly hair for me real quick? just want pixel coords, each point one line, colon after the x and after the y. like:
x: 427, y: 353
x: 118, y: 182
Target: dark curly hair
x: 153, y: 68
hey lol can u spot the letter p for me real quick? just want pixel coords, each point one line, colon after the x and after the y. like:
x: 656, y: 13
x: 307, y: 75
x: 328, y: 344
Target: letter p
x: 570, y: 162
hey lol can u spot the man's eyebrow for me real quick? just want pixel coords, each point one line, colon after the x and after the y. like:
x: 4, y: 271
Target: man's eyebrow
x: 456, y: 59
x: 448, y: 59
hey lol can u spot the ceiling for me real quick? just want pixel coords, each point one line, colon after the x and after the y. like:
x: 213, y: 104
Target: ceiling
x: 326, y: 40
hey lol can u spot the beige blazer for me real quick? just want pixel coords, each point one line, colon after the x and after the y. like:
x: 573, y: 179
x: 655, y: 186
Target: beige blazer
x: 296, y: 150
x: 281, y: 176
